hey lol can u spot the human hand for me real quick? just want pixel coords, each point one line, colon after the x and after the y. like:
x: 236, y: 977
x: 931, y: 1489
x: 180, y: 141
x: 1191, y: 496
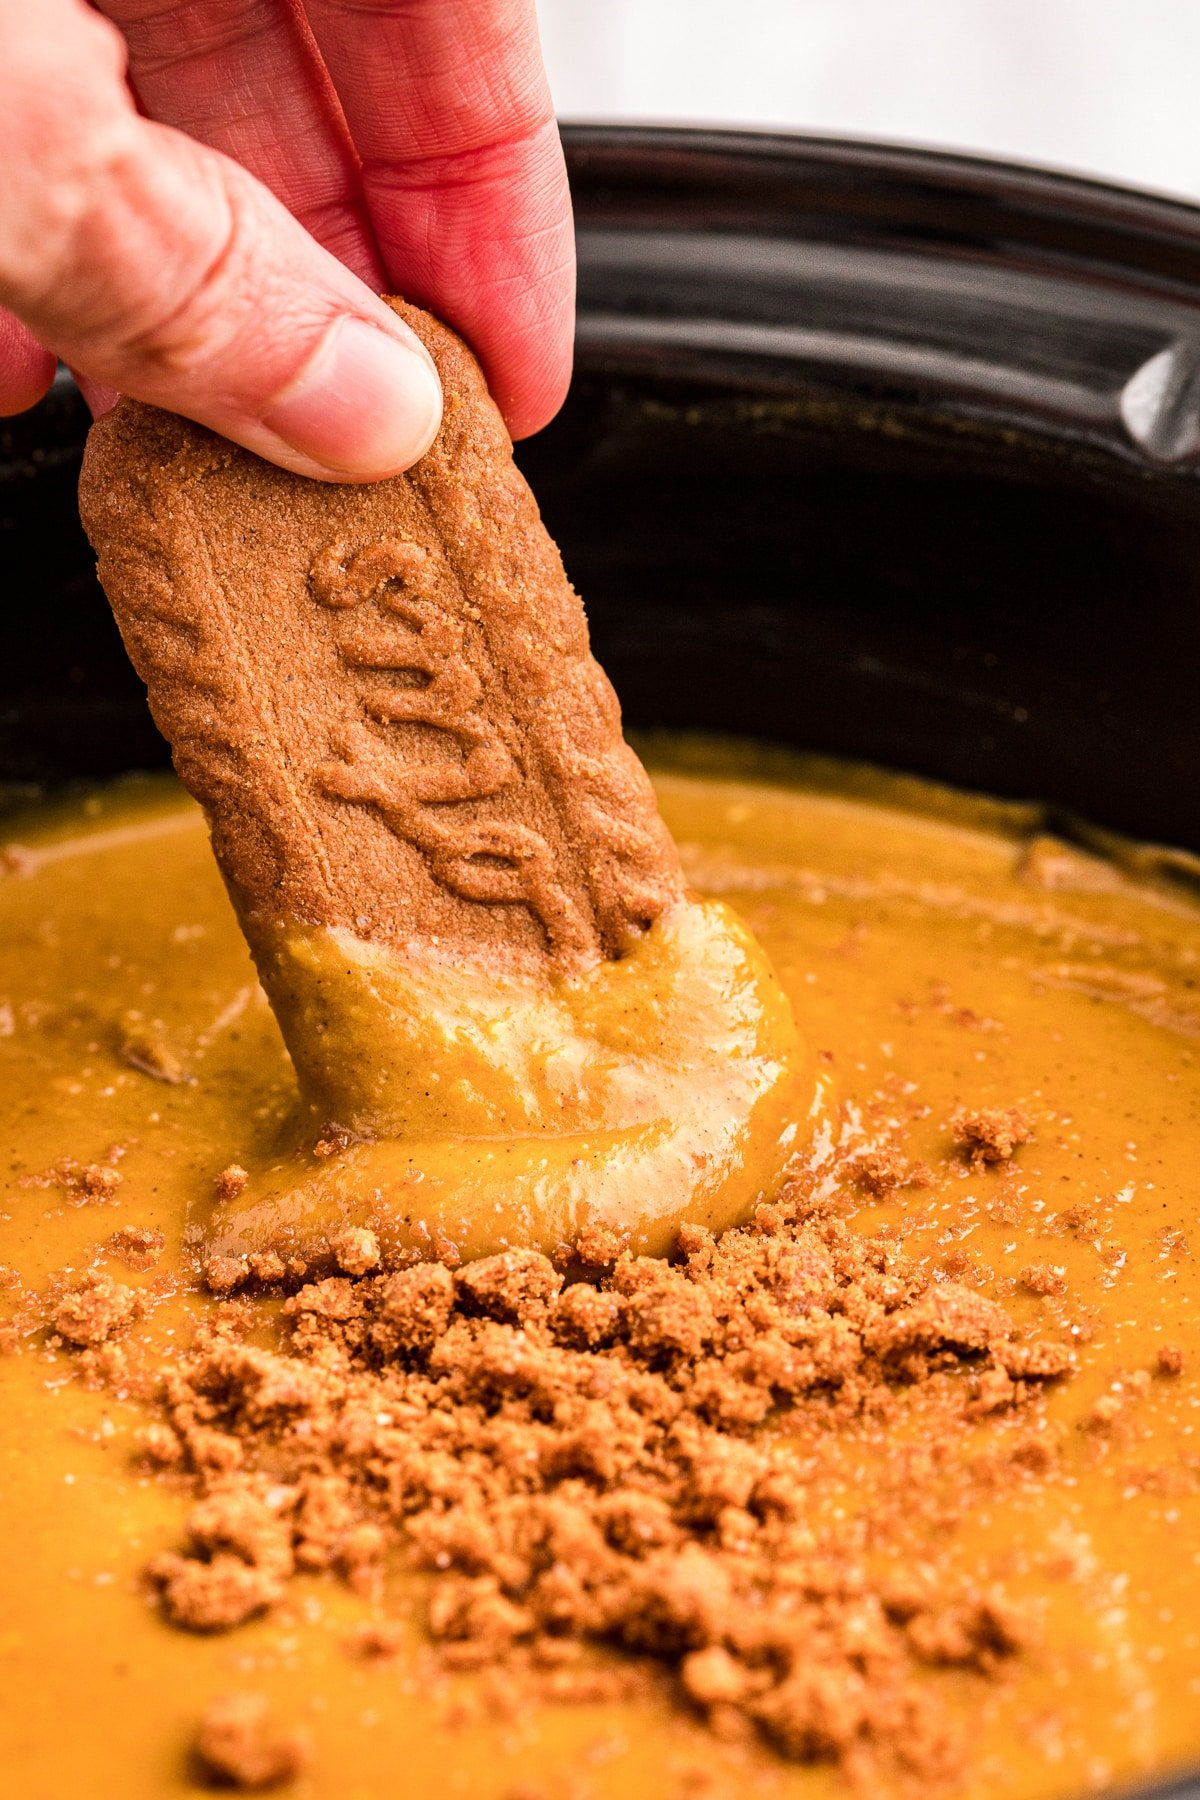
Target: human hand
x: 167, y: 254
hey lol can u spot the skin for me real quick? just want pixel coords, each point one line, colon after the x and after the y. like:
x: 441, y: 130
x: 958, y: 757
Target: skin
x: 203, y: 200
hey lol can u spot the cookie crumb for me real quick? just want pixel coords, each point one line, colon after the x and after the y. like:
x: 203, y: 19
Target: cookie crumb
x: 881, y: 1169
x: 81, y: 1182
x: 515, y: 1286
x: 355, y: 1250
x: 231, y: 1182
x: 378, y: 1640
x: 267, y: 1267
x: 1043, y: 1279
x: 991, y: 1134
x: 160, y: 1446
x: 138, y: 1247
x: 222, y: 1274
x: 332, y: 1141
x: 1169, y: 1360
x: 598, y: 1246
x: 712, y: 1677
x: 153, y: 1056
x: 1103, y: 1413
x: 96, y: 1309
x: 239, y: 1557
x: 239, y: 1746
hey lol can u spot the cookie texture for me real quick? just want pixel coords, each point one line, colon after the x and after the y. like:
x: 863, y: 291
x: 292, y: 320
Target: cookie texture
x: 383, y: 696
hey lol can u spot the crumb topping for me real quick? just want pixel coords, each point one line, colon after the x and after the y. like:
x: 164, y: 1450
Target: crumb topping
x: 578, y: 1463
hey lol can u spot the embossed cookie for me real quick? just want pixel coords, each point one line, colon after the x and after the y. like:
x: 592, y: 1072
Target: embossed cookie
x: 382, y: 696
x: 509, y: 1023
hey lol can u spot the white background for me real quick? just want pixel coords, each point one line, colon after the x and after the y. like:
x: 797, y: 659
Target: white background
x: 1107, y: 87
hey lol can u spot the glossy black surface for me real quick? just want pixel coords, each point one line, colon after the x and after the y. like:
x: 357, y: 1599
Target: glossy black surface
x: 869, y: 451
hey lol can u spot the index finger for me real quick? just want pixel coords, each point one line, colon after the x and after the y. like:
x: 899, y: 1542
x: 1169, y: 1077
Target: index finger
x: 241, y: 76
x: 463, y: 172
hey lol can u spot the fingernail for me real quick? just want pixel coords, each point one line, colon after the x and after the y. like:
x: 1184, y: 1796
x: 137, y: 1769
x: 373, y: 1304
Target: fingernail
x: 366, y: 405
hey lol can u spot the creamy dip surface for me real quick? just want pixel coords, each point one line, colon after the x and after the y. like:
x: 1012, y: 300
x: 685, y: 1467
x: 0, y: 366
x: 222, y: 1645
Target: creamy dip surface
x: 940, y: 954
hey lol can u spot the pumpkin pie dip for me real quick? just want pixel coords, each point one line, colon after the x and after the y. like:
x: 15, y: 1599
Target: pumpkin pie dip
x: 466, y: 1341
x: 896, y: 1483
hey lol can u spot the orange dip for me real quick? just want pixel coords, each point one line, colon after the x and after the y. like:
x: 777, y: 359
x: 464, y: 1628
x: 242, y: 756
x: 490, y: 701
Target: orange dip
x: 1006, y: 1028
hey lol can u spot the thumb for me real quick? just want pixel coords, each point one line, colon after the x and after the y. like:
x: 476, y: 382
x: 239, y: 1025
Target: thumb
x: 162, y: 269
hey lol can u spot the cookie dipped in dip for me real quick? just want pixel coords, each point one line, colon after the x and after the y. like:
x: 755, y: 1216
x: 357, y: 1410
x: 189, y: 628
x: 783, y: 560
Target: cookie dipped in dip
x: 510, y: 1022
